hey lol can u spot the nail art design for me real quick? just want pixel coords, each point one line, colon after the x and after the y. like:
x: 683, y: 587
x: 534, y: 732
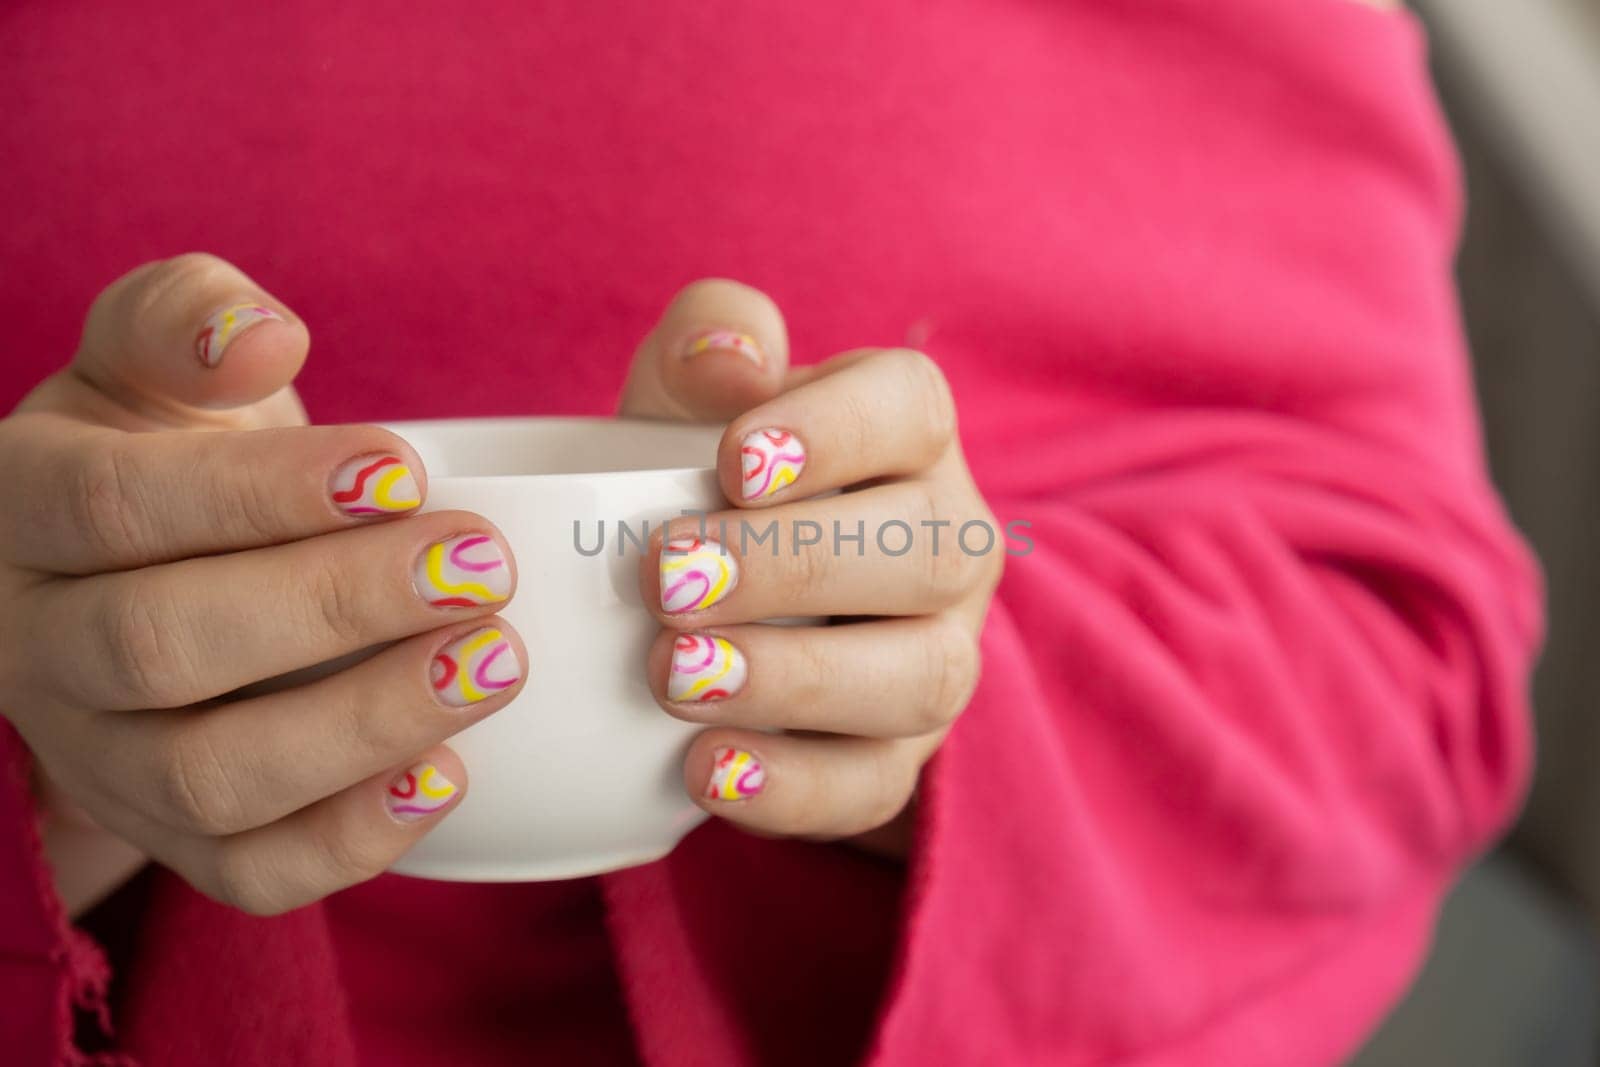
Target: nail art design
x: 220, y: 329
x: 735, y: 775
x: 695, y: 574
x: 419, y: 792
x: 463, y: 572
x: 727, y: 340
x: 474, y: 668
x: 772, y: 460
x: 704, y: 668
x: 375, y: 485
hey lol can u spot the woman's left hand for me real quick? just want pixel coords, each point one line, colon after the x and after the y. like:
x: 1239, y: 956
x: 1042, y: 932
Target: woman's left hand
x: 852, y: 501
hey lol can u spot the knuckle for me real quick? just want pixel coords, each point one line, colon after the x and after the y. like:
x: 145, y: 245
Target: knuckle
x: 240, y: 880
x: 350, y: 858
x: 989, y: 565
x: 859, y: 420
x: 701, y: 289
x: 817, y: 679
x: 169, y: 279
x: 106, y: 497
x: 948, y: 567
x: 142, y: 646
x: 335, y: 603
x: 953, y: 668
x: 199, y: 794
x: 156, y: 292
x: 370, y: 724
x: 892, y: 785
x: 253, y: 503
x: 925, y: 381
x: 723, y: 292
x: 193, y: 265
x: 808, y: 568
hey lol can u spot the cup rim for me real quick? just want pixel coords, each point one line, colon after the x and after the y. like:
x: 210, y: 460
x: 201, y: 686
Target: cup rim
x: 400, y: 426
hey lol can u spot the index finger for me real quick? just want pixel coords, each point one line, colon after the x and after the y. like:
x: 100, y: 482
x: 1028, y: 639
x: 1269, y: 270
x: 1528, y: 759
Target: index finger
x: 86, y: 500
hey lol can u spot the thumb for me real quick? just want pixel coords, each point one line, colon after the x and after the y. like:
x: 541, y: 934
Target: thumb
x: 186, y: 342
x: 720, y: 349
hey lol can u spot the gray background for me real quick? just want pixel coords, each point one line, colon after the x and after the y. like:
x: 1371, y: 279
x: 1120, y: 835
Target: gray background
x: 1512, y: 980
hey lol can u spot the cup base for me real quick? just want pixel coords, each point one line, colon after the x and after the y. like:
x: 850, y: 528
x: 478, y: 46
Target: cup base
x: 529, y: 871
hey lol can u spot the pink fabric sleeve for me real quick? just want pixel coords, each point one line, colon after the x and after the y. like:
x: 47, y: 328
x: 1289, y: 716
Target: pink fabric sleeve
x: 1259, y: 689
x: 1247, y: 707
x: 51, y: 973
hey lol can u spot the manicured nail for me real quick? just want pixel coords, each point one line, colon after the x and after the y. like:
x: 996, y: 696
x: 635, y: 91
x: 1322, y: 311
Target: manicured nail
x: 735, y: 775
x: 474, y: 668
x: 463, y: 572
x: 375, y: 485
x: 772, y: 460
x: 724, y: 341
x: 220, y: 330
x: 419, y: 792
x: 695, y: 574
x: 705, y: 668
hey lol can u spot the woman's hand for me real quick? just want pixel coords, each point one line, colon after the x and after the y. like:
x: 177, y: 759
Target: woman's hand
x: 852, y: 501
x: 148, y: 572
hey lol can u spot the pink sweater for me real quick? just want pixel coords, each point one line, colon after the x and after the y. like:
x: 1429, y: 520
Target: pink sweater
x: 1256, y: 695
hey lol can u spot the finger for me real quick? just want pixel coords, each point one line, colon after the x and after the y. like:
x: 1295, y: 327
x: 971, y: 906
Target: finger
x: 331, y: 845
x: 906, y: 548
x: 225, y: 769
x: 822, y: 787
x: 107, y: 500
x: 892, y: 678
x: 720, y: 348
x: 197, y: 629
x: 192, y: 332
x: 810, y: 372
x: 878, y: 416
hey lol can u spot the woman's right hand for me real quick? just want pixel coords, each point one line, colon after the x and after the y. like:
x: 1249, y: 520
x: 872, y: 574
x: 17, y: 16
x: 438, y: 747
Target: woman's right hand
x: 148, y: 571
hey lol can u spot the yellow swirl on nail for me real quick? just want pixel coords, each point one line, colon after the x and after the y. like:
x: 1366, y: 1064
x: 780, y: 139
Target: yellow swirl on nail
x: 695, y: 574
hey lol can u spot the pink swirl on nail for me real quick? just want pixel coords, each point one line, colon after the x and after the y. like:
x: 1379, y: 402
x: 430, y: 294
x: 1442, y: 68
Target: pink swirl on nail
x: 672, y: 592
x: 772, y: 459
x: 418, y: 792
x: 705, y: 668
x: 458, y: 555
x: 711, y: 651
x: 482, y: 673
x: 460, y: 671
x: 444, y: 577
x: 735, y: 775
x: 695, y: 574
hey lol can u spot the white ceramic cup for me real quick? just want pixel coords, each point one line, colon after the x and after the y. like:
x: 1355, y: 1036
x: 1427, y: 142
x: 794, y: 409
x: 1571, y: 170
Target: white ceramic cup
x: 582, y: 772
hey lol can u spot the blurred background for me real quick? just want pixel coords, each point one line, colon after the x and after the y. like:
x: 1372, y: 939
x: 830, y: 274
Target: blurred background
x: 1514, y: 979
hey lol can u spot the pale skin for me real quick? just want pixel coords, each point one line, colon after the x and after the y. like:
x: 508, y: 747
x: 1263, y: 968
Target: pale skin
x: 171, y: 540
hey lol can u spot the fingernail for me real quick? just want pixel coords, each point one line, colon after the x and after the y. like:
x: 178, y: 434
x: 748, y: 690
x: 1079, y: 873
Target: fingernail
x: 724, y: 341
x: 222, y: 328
x: 474, y: 668
x: 704, y: 668
x: 735, y: 775
x: 375, y: 485
x: 463, y: 572
x: 772, y: 460
x: 419, y: 792
x: 695, y: 574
